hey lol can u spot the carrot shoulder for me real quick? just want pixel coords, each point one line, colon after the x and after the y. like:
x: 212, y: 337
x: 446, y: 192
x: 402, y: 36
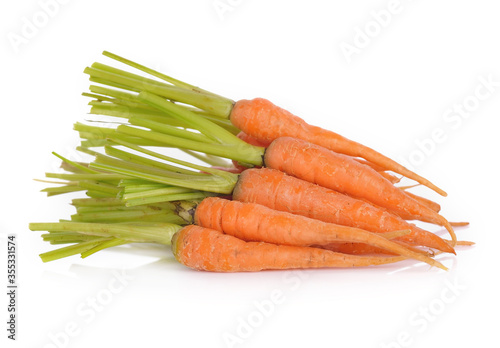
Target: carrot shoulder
x: 205, y: 249
x: 265, y: 122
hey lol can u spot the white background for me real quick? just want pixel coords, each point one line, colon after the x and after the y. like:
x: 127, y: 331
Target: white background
x: 392, y: 95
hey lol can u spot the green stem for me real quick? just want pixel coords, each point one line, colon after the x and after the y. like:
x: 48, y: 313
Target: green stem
x: 104, y: 245
x: 77, y: 177
x: 71, y: 250
x: 100, y: 187
x: 130, y: 215
x: 118, y: 78
x: 53, y: 191
x: 155, y: 192
x: 164, y: 77
x: 211, y: 160
x: 175, y: 160
x: 244, y: 153
x: 188, y: 196
x: 193, y: 120
x: 211, y: 183
x: 167, y: 129
x: 140, y: 233
x: 90, y: 202
x: 75, y: 164
x: 126, y: 156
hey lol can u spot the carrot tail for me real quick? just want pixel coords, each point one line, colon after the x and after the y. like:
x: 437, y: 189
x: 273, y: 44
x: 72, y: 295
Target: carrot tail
x: 424, y: 201
x: 459, y: 224
x: 420, y: 237
x: 365, y: 249
x: 389, y: 164
x: 461, y: 242
x: 449, y: 228
x: 209, y: 250
x: 370, y: 164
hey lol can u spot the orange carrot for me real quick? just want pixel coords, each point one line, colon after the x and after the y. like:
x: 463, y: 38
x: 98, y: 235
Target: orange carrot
x: 342, y: 173
x: 257, y: 223
x: 252, y: 141
x: 279, y: 191
x: 266, y: 122
x: 205, y: 249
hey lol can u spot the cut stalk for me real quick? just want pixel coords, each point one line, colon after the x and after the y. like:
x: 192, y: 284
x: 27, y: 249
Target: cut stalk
x: 125, y: 80
x: 167, y: 78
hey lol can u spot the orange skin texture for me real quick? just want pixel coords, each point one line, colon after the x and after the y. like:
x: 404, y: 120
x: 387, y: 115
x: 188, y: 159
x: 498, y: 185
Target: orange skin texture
x: 266, y: 122
x: 256, y: 223
x: 205, y: 249
x: 342, y: 173
x: 282, y: 192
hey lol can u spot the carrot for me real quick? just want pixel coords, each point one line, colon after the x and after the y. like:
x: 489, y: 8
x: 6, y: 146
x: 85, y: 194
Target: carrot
x: 258, y: 118
x: 341, y: 173
x: 252, y: 141
x: 255, y: 222
x: 279, y: 191
x: 266, y: 122
x: 205, y: 249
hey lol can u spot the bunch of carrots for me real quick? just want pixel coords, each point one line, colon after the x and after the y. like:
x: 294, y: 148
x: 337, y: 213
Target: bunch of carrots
x: 273, y: 192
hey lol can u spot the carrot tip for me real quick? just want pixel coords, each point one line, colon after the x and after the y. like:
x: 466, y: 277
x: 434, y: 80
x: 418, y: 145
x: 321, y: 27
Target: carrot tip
x: 459, y: 224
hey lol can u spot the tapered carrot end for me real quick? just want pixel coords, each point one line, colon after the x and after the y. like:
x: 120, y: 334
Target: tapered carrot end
x: 447, y: 248
x: 440, y: 265
x: 459, y: 224
x: 449, y: 228
x: 462, y: 242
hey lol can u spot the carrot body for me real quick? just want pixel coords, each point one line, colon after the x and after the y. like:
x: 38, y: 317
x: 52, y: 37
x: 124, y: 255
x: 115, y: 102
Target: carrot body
x: 342, y: 173
x: 265, y: 122
x: 205, y: 249
x: 279, y: 191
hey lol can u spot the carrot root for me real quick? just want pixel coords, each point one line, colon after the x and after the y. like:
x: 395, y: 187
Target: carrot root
x: 210, y: 250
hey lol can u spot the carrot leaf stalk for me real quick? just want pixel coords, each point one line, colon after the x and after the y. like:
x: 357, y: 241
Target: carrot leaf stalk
x: 92, y: 237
